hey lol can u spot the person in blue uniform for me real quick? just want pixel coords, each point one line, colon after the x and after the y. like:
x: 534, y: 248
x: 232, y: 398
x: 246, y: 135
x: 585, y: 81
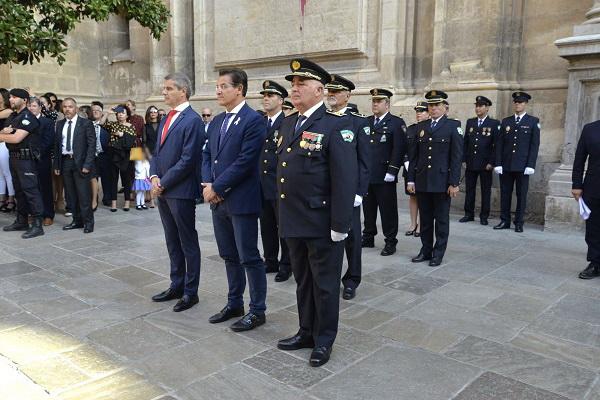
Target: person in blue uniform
x: 479, y: 156
x: 516, y: 154
x: 434, y: 175
x: 387, y: 149
x: 273, y: 98
x: 338, y: 94
x: 316, y: 181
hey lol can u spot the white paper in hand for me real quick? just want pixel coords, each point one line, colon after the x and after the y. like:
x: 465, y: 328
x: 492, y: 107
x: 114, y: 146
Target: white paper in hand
x: 584, y: 210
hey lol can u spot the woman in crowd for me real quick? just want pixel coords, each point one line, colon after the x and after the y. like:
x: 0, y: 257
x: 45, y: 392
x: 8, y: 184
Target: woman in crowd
x: 122, y: 139
x: 7, y: 204
x: 151, y: 135
x: 47, y: 110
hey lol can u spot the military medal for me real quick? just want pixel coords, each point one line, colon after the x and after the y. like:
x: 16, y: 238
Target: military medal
x: 279, y: 141
x: 302, y: 143
x: 318, y: 145
x: 311, y: 146
x: 507, y: 128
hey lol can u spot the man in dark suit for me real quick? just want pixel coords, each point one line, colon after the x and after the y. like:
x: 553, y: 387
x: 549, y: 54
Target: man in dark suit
x: 588, y: 149
x: 338, y: 95
x: 230, y: 176
x: 479, y: 156
x: 273, y: 96
x: 434, y: 175
x: 174, y: 174
x: 387, y: 148
x: 516, y: 154
x: 75, y: 150
x: 317, y: 179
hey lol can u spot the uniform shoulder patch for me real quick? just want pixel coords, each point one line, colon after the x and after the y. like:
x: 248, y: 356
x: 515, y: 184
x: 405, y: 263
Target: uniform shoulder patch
x: 347, y: 135
x: 25, y: 122
x: 336, y: 113
x: 358, y: 114
x: 367, y: 130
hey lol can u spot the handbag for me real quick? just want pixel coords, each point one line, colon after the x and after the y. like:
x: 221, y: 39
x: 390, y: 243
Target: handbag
x: 136, y: 154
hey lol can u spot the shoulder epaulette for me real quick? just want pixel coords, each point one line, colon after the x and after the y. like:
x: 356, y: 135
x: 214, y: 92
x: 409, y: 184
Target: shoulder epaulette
x: 336, y: 113
x: 358, y: 114
x: 292, y: 113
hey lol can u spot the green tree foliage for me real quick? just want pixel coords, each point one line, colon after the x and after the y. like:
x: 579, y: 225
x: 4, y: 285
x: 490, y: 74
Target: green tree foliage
x: 32, y: 29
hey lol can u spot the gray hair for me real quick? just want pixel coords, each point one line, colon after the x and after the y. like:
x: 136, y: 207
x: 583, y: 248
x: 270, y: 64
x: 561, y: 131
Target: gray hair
x: 182, y: 82
x: 36, y: 100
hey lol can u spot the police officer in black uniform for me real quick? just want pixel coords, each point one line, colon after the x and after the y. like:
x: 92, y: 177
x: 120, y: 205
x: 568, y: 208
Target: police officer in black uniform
x: 387, y: 149
x: 338, y: 94
x: 516, y: 154
x: 479, y: 156
x: 273, y: 97
x: 434, y: 174
x: 317, y: 180
x: 21, y: 134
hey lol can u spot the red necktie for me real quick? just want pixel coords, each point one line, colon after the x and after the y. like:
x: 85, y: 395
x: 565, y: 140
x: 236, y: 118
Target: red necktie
x: 166, y: 127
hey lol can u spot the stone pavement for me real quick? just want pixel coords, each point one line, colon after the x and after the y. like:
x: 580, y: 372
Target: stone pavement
x: 504, y: 317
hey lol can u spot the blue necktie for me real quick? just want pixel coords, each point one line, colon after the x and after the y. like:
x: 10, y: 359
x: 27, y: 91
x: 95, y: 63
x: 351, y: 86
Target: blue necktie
x: 301, y: 119
x: 518, y: 120
x: 433, y: 124
x: 376, y: 122
x: 480, y: 123
x: 224, y: 126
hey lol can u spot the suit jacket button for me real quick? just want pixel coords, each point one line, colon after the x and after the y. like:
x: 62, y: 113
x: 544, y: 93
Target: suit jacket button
x: 284, y: 164
x: 288, y: 149
x: 266, y: 151
x: 474, y: 152
x: 282, y: 195
x: 324, y: 202
x: 282, y: 180
x: 429, y: 166
x: 430, y: 148
x: 265, y: 161
x: 429, y: 157
x: 372, y: 141
x: 216, y: 161
x: 514, y: 151
x: 264, y: 172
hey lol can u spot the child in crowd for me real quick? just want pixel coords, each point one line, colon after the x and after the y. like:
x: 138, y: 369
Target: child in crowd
x: 141, y: 183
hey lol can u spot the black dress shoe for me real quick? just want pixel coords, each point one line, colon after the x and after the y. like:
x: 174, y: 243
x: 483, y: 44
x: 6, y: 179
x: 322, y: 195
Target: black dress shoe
x: 519, y: 228
x: 248, y: 322
x: 169, y: 294
x: 367, y: 242
x: 349, y: 293
x: 420, y: 258
x: 502, y: 225
x: 483, y: 221
x: 320, y: 356
x: 282, y: 276
x: 72, y: 225
x: 466, y: 219
x: 89, y: 228
x: 388, y: 250
x: 225, y: 314
x: 435, y: 261
x: 186, y: 302
x: 296, y: 342
x: 592, y: 271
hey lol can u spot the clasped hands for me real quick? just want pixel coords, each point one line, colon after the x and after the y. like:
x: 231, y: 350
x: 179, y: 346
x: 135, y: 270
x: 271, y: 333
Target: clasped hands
x: 156, y: 188
x: 210, y: 196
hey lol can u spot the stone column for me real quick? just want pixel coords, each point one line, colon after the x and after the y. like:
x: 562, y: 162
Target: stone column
x: 182, y: 37
x: 582, y: 50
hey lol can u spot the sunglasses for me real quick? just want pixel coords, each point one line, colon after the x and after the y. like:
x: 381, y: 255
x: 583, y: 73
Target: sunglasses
x: 206, y: 115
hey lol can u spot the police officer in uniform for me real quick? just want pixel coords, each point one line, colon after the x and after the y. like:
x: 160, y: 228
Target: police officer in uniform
x: 316, y: 180
x: 273, y: 97
x: 479, y: 156
x: 434, y: 174
x: 516, y: 154
x: 21, y: 134
x: 387, y: 149
x: 338, y: 94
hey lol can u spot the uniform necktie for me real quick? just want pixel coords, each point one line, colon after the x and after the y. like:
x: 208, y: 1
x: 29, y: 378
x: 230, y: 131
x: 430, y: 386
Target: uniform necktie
x: 479, y: 123
x: 518, y: 119
x: 433, y: 124
x: 299, y: 123
x: 224, y: 127
x: 270, y: 122
x: 69, y: 137
x: 166, y: 127
x: 376, y: 121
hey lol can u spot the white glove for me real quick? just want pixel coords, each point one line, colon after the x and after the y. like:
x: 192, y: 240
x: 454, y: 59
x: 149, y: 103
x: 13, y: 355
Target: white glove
x: 357, y: 200
x: 498, y: 170
x: 389, y: 178
x: 406, y: 165
x: 529, y: 171
x: 338, y: 237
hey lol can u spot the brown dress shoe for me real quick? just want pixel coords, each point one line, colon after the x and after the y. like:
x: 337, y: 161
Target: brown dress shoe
x: 48, y: 221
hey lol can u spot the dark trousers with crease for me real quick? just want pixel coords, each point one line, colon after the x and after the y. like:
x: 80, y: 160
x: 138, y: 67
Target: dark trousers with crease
x: 353, y: 247
x: 45, y: 181
x: 434, y: 209
x: 592, y: 230
x: 486, y: 191
x: 382, y: 196
x: 271, y: 241
x: 79, y: 190
x: 520, y: 182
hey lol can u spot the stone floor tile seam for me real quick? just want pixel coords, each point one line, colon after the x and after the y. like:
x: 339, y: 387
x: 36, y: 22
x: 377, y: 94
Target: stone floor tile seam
x: 589, y: 391
x: 467, y: 384
x: 499, y: 268
x: 91, y: 381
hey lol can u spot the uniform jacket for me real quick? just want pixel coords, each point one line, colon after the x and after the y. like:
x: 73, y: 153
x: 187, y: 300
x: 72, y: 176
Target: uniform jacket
x: 387, y: 147
x: 436, y: 156
x: 588, y: 149
x: 316, y: 187
x: 84, y: 144
x: 26, y: 121
x: 232, y: 166
x: 362, y: 131
x: 175, y: 162
x: 517, y: 145
x: 479, y: 143
x: 268, y: 160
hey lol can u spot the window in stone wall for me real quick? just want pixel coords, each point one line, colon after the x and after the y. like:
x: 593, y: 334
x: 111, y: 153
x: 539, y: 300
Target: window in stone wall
x: 118, y: 39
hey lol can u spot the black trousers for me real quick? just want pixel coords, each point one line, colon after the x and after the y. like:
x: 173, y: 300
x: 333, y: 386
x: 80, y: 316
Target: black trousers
x: 317, y: 266
x: 124, y: 170
x: 592, y: 230
x: 382, y: 196
x: 27, y: 189
x: 486, y: 191
x: 103, y: 171
x: 78, y: 186
x: 521, y: 184
x: 353, y: 252
x: 434, y: 209
x: 44, y: 166
x: 269, y: 233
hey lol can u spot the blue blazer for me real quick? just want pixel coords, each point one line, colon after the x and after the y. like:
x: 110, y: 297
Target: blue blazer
x: 175, y: 162
x: 232, y: 166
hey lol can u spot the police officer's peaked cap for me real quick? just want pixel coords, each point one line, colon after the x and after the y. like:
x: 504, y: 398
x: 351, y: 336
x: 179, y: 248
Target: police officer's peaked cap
x: 421, y: 106
x: 378, y: 93
x: 483, y: 101
x: 521, y: 97
x: 307, y: 69
x: 436, y: 96
x: 339, y: 83
x: 274, y: 87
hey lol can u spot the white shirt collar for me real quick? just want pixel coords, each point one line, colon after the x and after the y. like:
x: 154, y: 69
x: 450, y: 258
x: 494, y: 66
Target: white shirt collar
x: 182, y: 106
x: 237, y: 108
x: 383, y: 116
x: 520, y: 115
x: 343, y: 110
x: 74, y: 120
x: 274, y: 117
x: 436, y: 120
x: 311, y: 110
x: 482, y: 119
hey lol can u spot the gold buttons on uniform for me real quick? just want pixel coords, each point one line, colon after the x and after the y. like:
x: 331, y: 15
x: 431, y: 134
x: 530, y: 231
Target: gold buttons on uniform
x: 430, y: 148
x: 266, y: 151
x: 284, y: 164
x: 429, y: 157
x: 282, y: 180
x: 282, y: 195
x: 475, y: 152
x: 265, y: 161
x: 264, y: 172
x: 324, y: 202
x: 372, y: 141
x: 514, y: 151
x: 288, y: 149
x: 429, y: 166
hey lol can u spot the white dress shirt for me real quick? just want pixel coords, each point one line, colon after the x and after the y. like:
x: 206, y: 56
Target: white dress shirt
x: 64, y: 135
x: 178, y: 110
x: 273, y: 118
x: 520, y: 116
x: 310, y: 111
x: 235, y: 112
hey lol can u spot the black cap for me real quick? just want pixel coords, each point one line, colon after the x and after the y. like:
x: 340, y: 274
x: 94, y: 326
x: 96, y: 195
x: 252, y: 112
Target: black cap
x: 307, y: 69
x: 483, y: 101
x: 339, y: 83
x: 274, y: 87
x: 436, y: 96
x: 379, y: 93
x: 421, y: 106
x: 119, y: 109
x: 287, y: 105
x: 21, y: 93
x: 521, y: 97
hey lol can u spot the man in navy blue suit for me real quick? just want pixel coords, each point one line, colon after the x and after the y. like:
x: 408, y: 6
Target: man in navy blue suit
x: 173, y: 170
x: 230, y: 177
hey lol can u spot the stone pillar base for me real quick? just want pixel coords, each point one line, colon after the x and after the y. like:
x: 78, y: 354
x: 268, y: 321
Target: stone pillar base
x: 562, y: 212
